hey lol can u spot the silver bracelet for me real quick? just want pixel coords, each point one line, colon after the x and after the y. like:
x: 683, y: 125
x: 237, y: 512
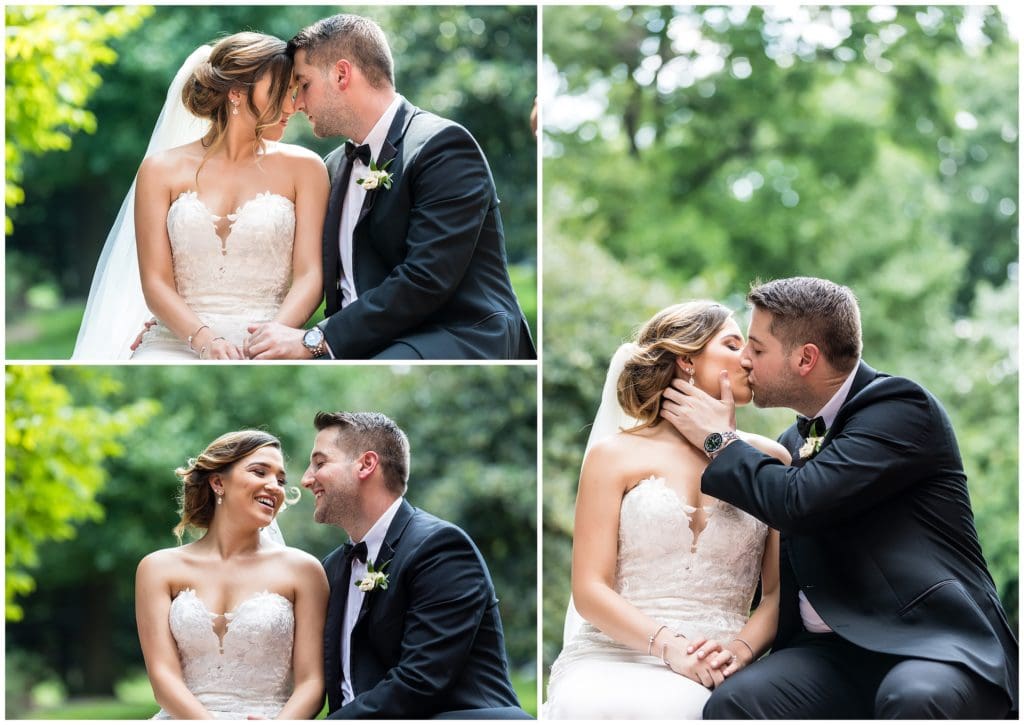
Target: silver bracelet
x: 193, y: 335
x: 650, y: 640
x: 747, y: 645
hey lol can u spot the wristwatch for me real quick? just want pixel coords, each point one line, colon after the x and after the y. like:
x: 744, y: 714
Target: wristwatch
x: 715, y: 442
x: 315, y: 342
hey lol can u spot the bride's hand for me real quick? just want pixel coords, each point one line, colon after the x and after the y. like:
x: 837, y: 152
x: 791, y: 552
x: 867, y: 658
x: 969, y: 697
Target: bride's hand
x: 727, y: 662
x: 689, y: 664
x: 220, y: 349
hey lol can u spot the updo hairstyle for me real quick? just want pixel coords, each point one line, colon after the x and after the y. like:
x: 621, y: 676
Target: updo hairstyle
x: 238, y: 61
x: 683, y: 329
x: 197, y: 498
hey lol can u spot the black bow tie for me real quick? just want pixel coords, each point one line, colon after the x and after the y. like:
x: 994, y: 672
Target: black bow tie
x: 353, y: 152
x: 805, y: 425
x: 355, y: 551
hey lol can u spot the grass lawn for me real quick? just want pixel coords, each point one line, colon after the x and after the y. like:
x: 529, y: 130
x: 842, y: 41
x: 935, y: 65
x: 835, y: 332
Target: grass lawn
x: 46, y: 335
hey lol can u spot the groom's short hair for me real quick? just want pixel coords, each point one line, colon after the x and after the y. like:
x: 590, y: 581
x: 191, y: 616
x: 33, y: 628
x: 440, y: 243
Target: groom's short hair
x: 360, y: 432
x: 808, y: 309
x: 353, y: 37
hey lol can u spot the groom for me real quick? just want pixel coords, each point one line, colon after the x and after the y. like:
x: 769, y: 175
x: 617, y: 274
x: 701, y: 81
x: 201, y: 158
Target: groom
x: 412, y: 629
x: 413, y: 246
x: 887, y: 608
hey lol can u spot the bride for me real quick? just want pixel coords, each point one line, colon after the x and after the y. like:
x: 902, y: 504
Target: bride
x: 663, y: 575
x: 231, y: 625
x: 222, y: 226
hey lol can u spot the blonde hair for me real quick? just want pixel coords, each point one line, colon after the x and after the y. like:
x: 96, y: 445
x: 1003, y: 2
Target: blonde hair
x: 239, y: 60
x: 683, y: 329
x: 196, y: 499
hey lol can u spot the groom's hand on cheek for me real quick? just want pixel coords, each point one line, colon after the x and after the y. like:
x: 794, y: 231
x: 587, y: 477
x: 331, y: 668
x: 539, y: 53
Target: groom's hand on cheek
x: 274, y: 341
x: 694, y: 413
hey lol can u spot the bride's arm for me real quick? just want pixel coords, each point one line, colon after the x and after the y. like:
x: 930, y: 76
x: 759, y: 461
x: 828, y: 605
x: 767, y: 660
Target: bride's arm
x: 594, y: 553
x: 311, y: 593
x: 312, y: 188
x: 152, y: 201
x: 152, y: 607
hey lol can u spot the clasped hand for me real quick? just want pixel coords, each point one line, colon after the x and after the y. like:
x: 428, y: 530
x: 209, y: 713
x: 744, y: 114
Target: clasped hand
x: 703, y: 660
x: 266, y: 341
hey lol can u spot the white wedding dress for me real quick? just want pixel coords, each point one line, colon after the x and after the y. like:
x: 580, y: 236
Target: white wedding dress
x: 699, y: 584
x: 247, y: 669
x: 228, y: 282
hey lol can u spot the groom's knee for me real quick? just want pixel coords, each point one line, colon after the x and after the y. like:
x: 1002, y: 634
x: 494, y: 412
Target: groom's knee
x: 730, y: 702
x: 922, y: 689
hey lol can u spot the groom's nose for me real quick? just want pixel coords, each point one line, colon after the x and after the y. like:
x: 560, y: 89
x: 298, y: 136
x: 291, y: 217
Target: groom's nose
x: 307, y: 477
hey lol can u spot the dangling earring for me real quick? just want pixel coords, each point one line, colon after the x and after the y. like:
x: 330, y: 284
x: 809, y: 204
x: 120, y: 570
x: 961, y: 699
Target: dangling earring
x: 690, y: 373
x: 234, y: 110
x: 220, y: 498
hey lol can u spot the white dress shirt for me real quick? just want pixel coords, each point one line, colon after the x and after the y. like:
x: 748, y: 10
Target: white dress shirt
x: 354, y: 196
x: 374, y: 539
x: 812, y: 621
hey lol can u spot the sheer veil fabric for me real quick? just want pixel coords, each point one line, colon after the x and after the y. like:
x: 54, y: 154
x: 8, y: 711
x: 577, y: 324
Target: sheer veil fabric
x: 610, y: 419
x: 116, y: 309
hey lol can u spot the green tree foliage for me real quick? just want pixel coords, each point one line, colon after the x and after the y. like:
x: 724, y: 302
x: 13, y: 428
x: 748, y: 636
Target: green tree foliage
x: 475, y: 65
x: 691, y: 150
x: 51, y: 55
x: 473, y: 437
x: 56, y: 451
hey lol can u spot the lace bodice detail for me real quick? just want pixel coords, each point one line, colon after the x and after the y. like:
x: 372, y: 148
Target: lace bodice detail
x: 246, y: 671
x: 232, y: 281
x: 699, y: 583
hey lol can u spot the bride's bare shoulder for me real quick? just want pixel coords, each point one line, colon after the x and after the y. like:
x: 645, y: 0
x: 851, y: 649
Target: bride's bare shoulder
x: 173, y: 161
x: 618, y: 459
x: 767, y: 446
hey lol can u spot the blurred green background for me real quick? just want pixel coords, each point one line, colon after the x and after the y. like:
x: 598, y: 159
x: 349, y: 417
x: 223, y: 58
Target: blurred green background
x: 90, y: 489
x: 691, y: 150
x: 85, y: 86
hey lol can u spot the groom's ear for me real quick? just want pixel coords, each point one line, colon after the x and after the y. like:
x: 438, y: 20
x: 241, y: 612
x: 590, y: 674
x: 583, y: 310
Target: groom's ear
x: 369, y: 462
x: 809, y: 356
x: 341, y: 74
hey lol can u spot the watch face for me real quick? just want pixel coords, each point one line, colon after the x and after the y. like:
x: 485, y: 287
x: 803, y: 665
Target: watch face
x: 713, y: 442
x: 313, y: 337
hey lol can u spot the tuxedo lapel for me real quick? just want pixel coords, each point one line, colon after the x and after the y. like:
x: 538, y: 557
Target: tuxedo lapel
x: 338, y: 576
x: 387, y: 553
x: 387, y: 155
x: 340, y: 171
x: 388, y: 152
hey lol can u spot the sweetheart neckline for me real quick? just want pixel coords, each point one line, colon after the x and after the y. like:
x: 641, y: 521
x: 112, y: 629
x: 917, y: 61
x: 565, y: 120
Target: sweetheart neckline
x: 232, y: 217
x: 232, y: 612
x: 193, y: 194
x: 663, y: 481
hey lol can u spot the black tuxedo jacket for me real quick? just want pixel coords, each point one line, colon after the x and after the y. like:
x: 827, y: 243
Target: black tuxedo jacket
x: 428, y: 254
x: 877, y: 531
x: 431, y: 642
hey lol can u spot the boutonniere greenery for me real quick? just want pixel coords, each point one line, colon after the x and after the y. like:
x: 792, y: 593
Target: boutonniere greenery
x: 812, y: 444
x: 374, y: 579
x: 376, y: 177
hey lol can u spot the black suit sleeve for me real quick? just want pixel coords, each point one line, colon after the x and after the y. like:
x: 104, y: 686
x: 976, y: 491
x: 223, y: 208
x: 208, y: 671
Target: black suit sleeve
x: 448, y: 596
x: 883, y: 448
x: 451, y: 193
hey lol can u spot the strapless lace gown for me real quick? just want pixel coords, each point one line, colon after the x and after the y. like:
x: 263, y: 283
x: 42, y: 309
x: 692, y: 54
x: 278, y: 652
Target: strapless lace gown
x: 228, y: 283
x: 248, y: 671
x: 695, y: 586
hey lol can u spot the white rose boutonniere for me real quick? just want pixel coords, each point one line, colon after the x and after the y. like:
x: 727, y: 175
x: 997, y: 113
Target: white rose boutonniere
x: 376, y: 177
x: 374, y: 579
x: 812, y: 444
